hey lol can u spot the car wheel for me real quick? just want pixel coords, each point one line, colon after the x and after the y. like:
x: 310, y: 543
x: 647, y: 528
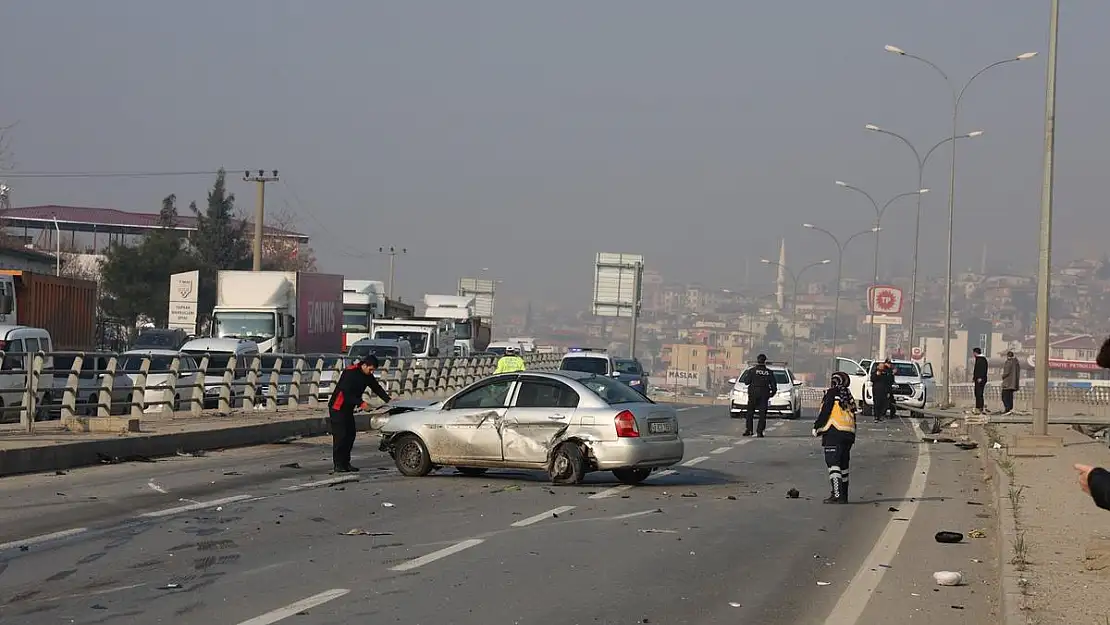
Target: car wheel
x: 798, y: 413
x: 631, y: 476
x: 472, y: 471
x: 412, y: 456
x: 568, y: 466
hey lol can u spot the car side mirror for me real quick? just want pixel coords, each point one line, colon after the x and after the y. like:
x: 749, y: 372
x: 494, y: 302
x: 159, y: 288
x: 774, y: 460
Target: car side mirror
x: 616, y: 374
x: 926, y: 376
x: 797, y: 382
x: 732, y: 380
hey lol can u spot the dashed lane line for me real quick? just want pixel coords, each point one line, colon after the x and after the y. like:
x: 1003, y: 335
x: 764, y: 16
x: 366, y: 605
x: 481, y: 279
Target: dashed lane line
x: 199, y: 505
x: 543, y: 516
x: 694, y: 461
x: 293, y: 609
x: 328, y: 482
x: 632, y: 515
x: 35, y: 540
x: 616, y: 490
x: 438, y: 555
x: 720, y: 450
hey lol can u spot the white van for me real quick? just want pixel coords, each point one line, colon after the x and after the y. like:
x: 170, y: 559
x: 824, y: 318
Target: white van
x: 219, y: 352
x: 19, y: 341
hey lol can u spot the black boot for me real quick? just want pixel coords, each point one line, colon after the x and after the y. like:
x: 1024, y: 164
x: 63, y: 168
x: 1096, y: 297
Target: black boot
x: 836, y: 495
x: 844, y: 492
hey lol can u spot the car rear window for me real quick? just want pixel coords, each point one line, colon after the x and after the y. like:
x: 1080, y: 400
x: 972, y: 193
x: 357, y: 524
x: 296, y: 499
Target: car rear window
x: 613, y: 392
x: 586, y: 364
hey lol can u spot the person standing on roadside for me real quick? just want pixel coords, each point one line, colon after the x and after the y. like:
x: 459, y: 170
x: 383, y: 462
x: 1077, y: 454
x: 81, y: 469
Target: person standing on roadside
x: 761, y: 388
x: 979, y: 376
x: 836, y: 425
x: 882, y: 390
x: 1011, y: 382
x: 510, y: 362
x: 349, y: 389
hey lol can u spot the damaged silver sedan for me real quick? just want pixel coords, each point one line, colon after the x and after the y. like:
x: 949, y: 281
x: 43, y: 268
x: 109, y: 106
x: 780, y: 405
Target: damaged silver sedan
x: 567, y: 423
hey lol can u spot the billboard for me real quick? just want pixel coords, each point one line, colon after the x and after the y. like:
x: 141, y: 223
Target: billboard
x: 319, y: 328
x: 183, y: 301
x: 617, y: 279
x: 884, y: 300
x: 482, y: 291
x: 681, y: 377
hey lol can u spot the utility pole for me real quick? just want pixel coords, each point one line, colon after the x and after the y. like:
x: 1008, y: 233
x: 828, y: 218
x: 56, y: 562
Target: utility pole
x: 393, y: 252
x: 259, y: 211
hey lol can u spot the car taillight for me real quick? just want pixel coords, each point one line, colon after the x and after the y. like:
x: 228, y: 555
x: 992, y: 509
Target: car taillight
x: 626, y: 425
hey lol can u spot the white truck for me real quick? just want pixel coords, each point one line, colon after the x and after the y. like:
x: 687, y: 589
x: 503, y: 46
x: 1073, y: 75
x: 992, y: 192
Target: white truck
x: 429, y: 338
x: 471, y: 332
x: 291, y: 312
x: 363, y: 302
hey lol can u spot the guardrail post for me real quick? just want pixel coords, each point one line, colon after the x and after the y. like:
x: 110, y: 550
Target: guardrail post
x: 273, y: 393
x: 139, y: 403
x: 295, y: 383
x: 31, y: 394
x: 250, y: 388
x: 104, y: 403
x: 170, y: 394
x: 200, y: 390
x: 226, y: 384
x: 69, y: 395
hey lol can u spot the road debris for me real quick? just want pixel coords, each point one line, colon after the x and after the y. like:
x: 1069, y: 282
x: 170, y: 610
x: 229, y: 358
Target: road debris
x: 358, y: 532
x: 967, y: 446
x: 824, y: 583
x: 690, y: 494
x: 792, y: 493
x: 170, y: 587
x: 948, y: 537
x: 386, y: 504
x: 948, y: 578
x: 977, y: 534
x: 735, y: 604
x: 291, y: 465
x: 655, y: 531
x: 508, y: 489
x: 892, y: 509
x: 154, y: 486
x: 232, y: 473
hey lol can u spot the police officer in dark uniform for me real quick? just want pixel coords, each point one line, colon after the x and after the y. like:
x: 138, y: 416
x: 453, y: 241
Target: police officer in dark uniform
x: 347, y: 396
x: 761, y: 388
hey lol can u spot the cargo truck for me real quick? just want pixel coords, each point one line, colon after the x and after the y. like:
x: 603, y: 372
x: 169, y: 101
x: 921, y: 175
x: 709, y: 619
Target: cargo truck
x: 291, y: 312
x: 472, y: 333
x: 363, y: 301
x: 64, y: 307
x: 428, y: 338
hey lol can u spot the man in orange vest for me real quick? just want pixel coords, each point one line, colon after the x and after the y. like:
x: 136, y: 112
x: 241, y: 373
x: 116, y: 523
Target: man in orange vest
x: 836, y: 423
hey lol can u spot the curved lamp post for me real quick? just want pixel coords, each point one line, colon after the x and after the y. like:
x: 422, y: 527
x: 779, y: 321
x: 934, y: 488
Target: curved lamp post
x: 794, y: 301
x: 839, y: 270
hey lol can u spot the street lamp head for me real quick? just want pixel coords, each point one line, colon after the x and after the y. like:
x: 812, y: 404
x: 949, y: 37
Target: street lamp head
x: 841, y: 183
x: 764, y: 261
x: 894, y: 49
x: 872, y: 127
x: 808, y: 226
x: 922, y: 191
x: 876, y: 229
x: 974, y: 133
x: 1025, y: 56
x: 825, y: 262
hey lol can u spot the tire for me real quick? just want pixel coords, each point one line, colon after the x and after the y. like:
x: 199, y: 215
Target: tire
x: 471, y: 471
x: 411, y: 456
x: 568, y: 466
x: 631, y: 476
x: 797, y: 414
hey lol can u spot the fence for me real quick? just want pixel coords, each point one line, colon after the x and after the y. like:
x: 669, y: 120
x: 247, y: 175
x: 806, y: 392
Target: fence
x: 68, y: 385
x: 1063, y: 400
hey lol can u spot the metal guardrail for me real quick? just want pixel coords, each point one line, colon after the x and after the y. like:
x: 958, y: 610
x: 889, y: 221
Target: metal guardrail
x: 93, y: 383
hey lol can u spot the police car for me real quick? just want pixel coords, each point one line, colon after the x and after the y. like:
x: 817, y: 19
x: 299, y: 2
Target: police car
x: 787, y: 400
x: 589, y: 360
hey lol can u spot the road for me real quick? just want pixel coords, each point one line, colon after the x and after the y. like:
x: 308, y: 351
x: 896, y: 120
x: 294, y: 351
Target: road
x: 235, y: 537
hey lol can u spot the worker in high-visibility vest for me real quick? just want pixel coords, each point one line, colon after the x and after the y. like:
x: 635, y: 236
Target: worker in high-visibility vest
x: 510, y: 362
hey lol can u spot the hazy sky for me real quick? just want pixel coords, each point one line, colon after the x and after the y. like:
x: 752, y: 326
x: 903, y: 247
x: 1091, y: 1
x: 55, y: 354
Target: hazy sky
x: 528, y: 136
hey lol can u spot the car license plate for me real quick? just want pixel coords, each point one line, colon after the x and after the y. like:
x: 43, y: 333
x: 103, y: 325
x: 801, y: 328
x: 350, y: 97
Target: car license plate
x: 661, y: 427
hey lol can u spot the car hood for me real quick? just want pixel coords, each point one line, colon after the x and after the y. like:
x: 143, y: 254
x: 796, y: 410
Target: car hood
x: 379, y: 420
x: 907, y: 379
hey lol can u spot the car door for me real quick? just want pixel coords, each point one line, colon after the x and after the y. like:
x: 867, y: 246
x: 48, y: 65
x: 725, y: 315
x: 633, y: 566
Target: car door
x: 471, y: 428
x: 857, y: 376
x: 541, y: 411
x: 929, y: 381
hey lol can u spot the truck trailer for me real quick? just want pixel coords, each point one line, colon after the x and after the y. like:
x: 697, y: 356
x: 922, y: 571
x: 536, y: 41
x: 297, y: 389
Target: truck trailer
x: 472, y: 334
x: 291, y: 312
x: 64, y: 307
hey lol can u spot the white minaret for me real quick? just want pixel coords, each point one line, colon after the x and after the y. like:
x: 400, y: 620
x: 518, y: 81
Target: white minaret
x: 780, y: 284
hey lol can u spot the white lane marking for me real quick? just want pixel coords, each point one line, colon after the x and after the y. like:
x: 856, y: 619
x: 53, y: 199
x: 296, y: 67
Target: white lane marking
x: 343, y: 479
x: 685, y: 409
x: 292, y: 609
x: 155, y: 486
x: 661, y: 474
x: 200, y: 505
x: 858, y: 593
x: 34, y: 540
x: 632, y: 515
x: 693, y: 461
x: 720, y: 450
x: 616, y: 490
x: 743, y: 441
x: 542, y: 516
x: 437, y: 555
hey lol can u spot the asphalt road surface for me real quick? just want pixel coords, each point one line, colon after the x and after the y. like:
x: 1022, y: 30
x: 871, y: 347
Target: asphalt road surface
x: 236, y: 538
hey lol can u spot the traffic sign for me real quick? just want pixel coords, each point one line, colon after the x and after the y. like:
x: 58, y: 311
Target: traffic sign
x: 916, y: 353
x: 884, y: 300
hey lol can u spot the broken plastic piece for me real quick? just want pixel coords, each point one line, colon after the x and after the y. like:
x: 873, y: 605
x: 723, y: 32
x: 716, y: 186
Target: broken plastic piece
x: 358, y: 532
x: 948, y: 578
x: 824, y: 583
x: 792, y: 493
x: 386, y: 504
x: 977, y: 534
x: 655, y: 531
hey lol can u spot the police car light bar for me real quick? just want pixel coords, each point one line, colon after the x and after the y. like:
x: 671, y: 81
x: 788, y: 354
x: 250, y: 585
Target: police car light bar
x: 585, y: 349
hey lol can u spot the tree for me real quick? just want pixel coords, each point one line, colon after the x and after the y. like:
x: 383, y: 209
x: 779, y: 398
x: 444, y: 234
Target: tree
x: 284, y: 253
x: 773, y: 333
x: 220, y: 242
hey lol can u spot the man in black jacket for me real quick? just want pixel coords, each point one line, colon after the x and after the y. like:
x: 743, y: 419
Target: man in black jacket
x: 347, y: 396
x: 882, y: 390
x: 761, y: 388
x: 979, y: 376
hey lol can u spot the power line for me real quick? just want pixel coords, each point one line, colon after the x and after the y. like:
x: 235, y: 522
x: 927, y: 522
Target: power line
x: 105, y: 174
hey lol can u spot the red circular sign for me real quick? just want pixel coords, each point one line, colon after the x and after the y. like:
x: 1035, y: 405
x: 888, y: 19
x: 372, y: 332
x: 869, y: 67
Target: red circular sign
x: 916, y: 353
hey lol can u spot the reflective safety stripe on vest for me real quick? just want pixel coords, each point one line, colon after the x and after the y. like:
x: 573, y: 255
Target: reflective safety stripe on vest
x: 840, y: 418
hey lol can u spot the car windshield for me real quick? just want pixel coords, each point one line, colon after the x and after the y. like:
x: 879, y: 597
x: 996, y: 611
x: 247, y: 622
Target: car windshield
x: 132, y: 363
x: 586, y: 364
x: 629, y: 366
x: 254, y: 326
x: 217, y: 361
x: 418, y: 341
x: 612, y: 391
x: 356, y: 320
x: 159, y: 339
x: 463, y: 330
x: 381, y: 352
x: 498, y: 351
x: 903, y: 369
x: 781, y: 376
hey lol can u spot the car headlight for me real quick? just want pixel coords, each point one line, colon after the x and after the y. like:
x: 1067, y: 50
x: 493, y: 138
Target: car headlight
x: 634, y: 383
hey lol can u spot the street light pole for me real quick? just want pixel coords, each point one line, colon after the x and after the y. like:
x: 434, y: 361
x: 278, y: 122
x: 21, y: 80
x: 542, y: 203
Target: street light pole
x: 879, y: 212
x: 1044, y: 269
x: 921, y: 161
x: 957, y: 98
x: 839, y: 271
x: 794, y: 302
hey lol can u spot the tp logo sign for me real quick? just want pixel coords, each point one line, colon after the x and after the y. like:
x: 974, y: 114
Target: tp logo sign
x: 884, y: 300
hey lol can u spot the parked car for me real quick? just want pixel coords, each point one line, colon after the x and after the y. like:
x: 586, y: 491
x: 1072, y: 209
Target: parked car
x: 89, y: 383
x: 568, y: 423
x: 158, y: 378
x: 787, y: 401
x: 914, y: 385
x: 160, y: 338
